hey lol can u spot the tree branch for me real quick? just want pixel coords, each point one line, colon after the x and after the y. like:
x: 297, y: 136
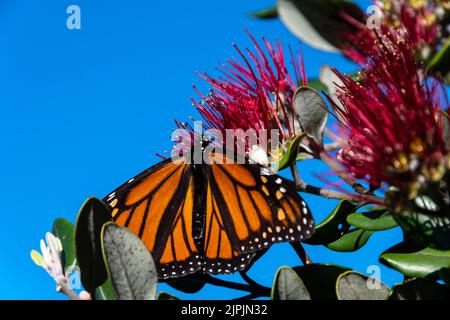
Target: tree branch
x: 366, y: 195
x: 301, y: 252
x: 304, y: 187
x: 255, y: 288
x: 62, y: 286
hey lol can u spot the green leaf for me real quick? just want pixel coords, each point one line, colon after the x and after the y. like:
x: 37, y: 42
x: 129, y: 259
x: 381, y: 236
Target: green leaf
x: 269, y: 13
x: 189, y: 284
x: 311, y: 112
x: 167, y: 296
x: 372, y: 221
x: 105, y: 292
x: 91, y: 218
x: 333, y: 226
x: 425, y: 225
x: 64, y: 230
x: 320, y: 280
x: 290, y: 155
x: 413, y: 260
x: 355, y: 286
x: 288, y: 286
x: 317, y: 22
x: 440, y: 63
x: 130, y: 265
x: 351, y: 241
x: 420, y: 289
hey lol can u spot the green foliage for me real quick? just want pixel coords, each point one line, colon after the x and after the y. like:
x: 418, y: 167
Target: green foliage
x: 91, y: 218
x: 311, y: 112
x: 105, y: 292
x: 351, y: 241
x: 166, y: 296
x: 288, y: 286
x: 314, y: 21
x: 316, y: 85
x: 413, y: 260
x: 269, y: 13
x: 354, y: 286
x: 65, y: 231
x: 440, y: 63
x: 426, y: 228
x: 320, y: 280
x: 130, y: 266
x: 373, y: 220
x: 290, y: 155
x: 333, y: 227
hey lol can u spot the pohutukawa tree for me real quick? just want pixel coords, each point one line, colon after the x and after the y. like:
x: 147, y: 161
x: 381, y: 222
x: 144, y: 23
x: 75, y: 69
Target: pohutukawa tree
x: 384, y: 132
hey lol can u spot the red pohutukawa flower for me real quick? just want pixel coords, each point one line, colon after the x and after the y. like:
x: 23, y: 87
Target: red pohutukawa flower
x: 254, y: 92
x: 417, y: 21
x: 392, y: 115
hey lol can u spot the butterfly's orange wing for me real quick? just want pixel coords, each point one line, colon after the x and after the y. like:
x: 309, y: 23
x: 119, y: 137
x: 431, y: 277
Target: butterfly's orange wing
x: 157, y: 206
x: 246, y: 212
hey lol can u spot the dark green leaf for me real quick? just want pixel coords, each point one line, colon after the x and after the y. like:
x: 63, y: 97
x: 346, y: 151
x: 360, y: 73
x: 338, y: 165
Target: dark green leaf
x: 320, y: 280
x: 316, y: 84
x: 290, y: 154
x: 167, y: 296
x: 413, y: 260
x: 91, y: 218
x: 131, y: 267
x: 351, y: 241
x: 269, y: 13
x: 334, y: 226
x: 311, y: 112
x: 105, y: 292
x: 189, y: 284
x: 288, y: 286
x: 65, y: 231
x: 318, y: 22
x: 424, y: 225
x: 372, y: 221
x: 355, y: 286
x: 420, y: 289
x: 440, y: 63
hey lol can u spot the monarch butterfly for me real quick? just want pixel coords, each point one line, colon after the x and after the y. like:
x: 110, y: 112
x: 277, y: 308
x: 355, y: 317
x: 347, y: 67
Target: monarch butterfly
x: 209, y: 218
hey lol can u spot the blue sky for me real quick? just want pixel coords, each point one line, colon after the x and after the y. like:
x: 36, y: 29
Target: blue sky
x: 85, y: 110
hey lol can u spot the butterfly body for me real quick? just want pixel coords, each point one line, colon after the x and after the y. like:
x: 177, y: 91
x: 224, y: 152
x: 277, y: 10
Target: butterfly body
x: 209, y: 217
